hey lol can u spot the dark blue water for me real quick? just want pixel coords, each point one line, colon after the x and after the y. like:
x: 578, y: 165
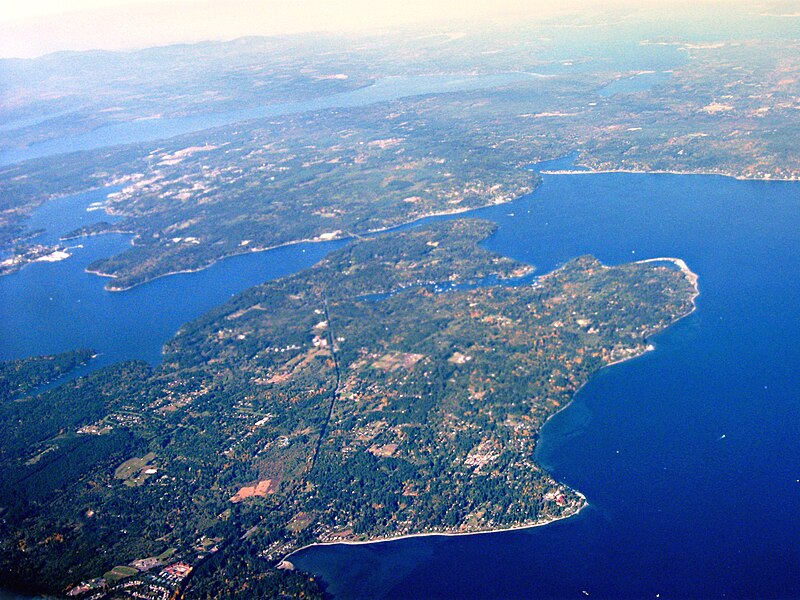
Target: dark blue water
x: 676, y: 509
x: 53, y: 307
x: 146, y: 130
x: 67, y: 214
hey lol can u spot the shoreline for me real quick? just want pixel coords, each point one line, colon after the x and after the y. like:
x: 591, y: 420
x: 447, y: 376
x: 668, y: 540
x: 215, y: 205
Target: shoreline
x: 690, y: 275
x: 590, y: 171
x: 204, y: 267
x: 693, y: 278
x: 66, y: 238
x: 344, y: 237
x: 445, y: 213
x: 405, y: 536
x: 577, y: 170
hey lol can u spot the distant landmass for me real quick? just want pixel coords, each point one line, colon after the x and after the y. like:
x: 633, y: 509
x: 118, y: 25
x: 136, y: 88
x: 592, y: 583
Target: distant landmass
x: 715, y: 107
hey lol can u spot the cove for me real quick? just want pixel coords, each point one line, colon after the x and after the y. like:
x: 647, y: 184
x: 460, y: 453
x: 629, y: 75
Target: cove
x: 54, y: 307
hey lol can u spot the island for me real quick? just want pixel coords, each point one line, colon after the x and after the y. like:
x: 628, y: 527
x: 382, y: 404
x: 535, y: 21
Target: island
x: 262, y: 181
x: 396, y: 388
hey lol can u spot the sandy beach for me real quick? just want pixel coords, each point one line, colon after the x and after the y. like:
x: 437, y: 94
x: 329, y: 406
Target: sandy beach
x: 379, y: 540
x: 691, y: 276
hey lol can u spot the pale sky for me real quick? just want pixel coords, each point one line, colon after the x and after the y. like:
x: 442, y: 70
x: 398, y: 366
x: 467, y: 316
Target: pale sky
x: 35, y: 27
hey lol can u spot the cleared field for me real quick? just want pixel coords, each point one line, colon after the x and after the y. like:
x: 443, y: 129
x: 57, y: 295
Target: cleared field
x: 133, y: 466
x: 167, y: 553
x: 119, y: 572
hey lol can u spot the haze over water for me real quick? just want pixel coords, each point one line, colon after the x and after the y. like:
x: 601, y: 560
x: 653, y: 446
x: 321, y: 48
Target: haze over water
x: 688, y: 455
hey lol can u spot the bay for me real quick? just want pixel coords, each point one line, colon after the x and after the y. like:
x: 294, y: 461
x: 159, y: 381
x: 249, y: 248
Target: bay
x: 54, y: 307
x: 688, y: 455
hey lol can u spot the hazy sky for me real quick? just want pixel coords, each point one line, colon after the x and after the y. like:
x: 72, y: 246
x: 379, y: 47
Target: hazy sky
x: 34, y: 27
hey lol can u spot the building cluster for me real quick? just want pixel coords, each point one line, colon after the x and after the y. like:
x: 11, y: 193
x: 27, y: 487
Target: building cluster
x: 165, y: 584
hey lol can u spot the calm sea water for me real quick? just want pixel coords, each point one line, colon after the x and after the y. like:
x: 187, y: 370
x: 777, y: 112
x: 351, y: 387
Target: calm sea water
x: 688, y: 456
x: 53, y: 307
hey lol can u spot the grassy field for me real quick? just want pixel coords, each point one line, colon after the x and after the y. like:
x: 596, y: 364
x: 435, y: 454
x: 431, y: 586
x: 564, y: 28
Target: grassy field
x: 119, y: 572
x: 133, y: 466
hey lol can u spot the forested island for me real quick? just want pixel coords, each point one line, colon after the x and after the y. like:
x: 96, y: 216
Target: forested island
x: 724, y: 108
x: 413, y: 369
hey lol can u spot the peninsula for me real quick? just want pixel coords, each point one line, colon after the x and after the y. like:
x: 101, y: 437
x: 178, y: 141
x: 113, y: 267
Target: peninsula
x: 396, y: 388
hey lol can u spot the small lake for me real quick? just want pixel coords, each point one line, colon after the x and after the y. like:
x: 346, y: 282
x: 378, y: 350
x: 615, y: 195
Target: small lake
x: 688, y: 455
